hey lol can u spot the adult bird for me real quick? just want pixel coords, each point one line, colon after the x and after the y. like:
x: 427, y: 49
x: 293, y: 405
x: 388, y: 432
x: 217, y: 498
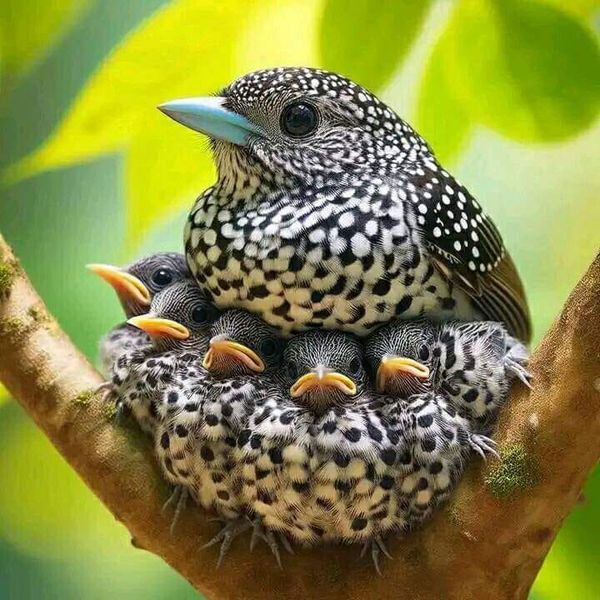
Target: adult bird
x: 330, y: 211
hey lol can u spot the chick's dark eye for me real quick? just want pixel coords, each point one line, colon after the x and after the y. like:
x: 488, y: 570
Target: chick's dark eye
x: 162, y: 277
x: 268, y: 348
x: 299, y: 119
x: 200, y: 314
x: 355, y: 366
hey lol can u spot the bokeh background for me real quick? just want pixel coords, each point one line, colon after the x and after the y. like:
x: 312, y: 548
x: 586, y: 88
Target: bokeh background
x: 507, y: 92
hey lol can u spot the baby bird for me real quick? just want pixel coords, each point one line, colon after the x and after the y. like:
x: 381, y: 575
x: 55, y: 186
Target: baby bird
x: 332, y: 461
x: 242, y: 344
x: 136, y: 284
x: 178, y: 325
x: 157, y: 385
x: 472, y: 363
x: 243, y: 354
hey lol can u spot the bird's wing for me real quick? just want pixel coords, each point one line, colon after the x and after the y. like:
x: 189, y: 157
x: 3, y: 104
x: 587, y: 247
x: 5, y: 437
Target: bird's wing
x: 467, y: 248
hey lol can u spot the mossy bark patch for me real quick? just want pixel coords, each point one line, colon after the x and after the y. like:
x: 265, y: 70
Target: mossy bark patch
x: 516, y: 472
x: 84, y: 398
x: 7, y: 275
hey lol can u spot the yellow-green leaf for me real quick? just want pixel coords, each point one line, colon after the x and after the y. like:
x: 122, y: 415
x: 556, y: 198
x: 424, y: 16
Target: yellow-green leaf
x: 28, y: 28
x: 368, y: 40
x: 580, y: 8
x: 183, y: 49
x: 533, y: 75
x: 440, y: 117
x: 165, y: 168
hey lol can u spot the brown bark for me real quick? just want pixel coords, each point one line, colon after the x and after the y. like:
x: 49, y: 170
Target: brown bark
x: 488, y: 542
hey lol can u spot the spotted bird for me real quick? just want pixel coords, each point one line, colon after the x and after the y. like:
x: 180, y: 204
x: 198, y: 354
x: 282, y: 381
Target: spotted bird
x: 330, y: 211
x: 472, y: 363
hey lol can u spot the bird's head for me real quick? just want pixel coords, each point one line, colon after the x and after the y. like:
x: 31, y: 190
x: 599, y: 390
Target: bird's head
x: 136, y: 284
x: 179, y: 318
x: 296, y: 125
x: 242, y: 344
x: 324, y: 369
x: 399, y: 357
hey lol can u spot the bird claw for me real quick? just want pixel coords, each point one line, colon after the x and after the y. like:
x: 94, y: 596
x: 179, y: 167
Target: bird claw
x: 228, y: 533
x: 484, y: 445
x: 377, y: 547
x: 519, y: 371
x: 272, y: 539
x: 108, y: 393
x: 179, y: 496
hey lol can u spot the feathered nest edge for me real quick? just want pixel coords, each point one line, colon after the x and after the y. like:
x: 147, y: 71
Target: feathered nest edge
x: 489, y: 541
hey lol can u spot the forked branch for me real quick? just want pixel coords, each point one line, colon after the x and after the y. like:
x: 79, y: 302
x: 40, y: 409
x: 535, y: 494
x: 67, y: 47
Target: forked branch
x: 488, y: 542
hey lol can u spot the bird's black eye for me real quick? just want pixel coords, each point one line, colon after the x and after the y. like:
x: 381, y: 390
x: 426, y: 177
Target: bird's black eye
x: 268, y: 348
x: 423, y: 353
x: 355, y: 366
x: 162, y: 277
x: 299, y: 119
x: 292, y: 369
x: 201, y: 314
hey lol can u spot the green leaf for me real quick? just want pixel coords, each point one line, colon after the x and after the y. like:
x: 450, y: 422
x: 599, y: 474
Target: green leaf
x: 186, y: 48
x: 440, y: 117
x: 29, y: 27
x: 160, y: 183
x: 579, y: 8
x: 368, y: 40
x: 533, y: 75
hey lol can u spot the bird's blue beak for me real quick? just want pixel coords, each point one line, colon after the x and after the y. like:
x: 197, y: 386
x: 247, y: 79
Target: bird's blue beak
x: 208, y: 116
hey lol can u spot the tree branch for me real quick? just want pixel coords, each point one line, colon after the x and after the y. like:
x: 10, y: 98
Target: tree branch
x: 488, y: 542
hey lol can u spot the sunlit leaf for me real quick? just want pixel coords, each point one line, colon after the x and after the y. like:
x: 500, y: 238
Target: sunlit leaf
x: 185, y: 48
x: 368, y: 40
x: 29, y: 27
x: 165, y: 168
x: 580, y: 8
x: 523, y: 68
x: 271, y: 39
x: 440, y: 117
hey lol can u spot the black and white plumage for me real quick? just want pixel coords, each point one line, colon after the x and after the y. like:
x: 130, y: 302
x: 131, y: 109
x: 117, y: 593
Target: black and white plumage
x: 357, y: 468
x: 243, y: 356
x: 472, y: 363
x: 331, y: 211
x: 176, y: 349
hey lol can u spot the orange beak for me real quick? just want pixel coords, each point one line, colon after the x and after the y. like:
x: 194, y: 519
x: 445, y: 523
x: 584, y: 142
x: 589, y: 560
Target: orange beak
x: 229, y: 350
x: 399, y: 366
x: 322, y: 378
x: 127, y: 286
x: 157, y: 327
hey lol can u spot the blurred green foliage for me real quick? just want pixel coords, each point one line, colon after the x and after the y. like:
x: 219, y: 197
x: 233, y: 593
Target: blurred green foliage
x: 506, y: 91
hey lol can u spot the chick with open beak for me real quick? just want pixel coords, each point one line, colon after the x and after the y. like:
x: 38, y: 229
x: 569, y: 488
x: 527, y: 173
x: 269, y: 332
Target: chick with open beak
x: 399, y: 355
x: 242, y: 344
x: 136, y: 284
x: 324, y: 369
